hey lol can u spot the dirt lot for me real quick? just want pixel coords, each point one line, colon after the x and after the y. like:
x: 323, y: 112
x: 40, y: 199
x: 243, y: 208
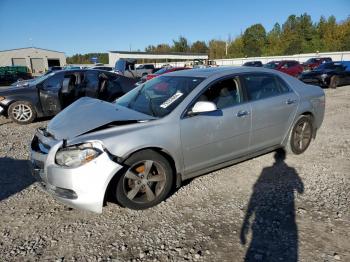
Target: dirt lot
x: 281, y: 210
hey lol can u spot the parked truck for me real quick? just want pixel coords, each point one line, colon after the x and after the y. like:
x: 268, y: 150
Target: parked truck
x: 127, y: 68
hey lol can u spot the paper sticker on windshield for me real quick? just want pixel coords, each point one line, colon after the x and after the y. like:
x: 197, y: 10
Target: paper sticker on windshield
x: 171, y: 100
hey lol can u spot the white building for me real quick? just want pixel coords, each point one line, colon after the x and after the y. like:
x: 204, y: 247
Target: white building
x: 113, y: 56
x: 38, y: 60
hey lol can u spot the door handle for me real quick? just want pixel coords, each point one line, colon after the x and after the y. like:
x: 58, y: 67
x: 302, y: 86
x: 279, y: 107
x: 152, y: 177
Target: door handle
x: 290, y: 101
x: 242, y: 113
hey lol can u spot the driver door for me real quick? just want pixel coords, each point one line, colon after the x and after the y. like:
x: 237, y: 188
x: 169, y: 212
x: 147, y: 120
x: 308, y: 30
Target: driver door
x: 49, y: 94
x: 212, y: 138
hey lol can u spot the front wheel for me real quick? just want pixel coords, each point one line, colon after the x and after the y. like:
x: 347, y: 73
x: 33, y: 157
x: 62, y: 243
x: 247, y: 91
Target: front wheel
x: 300, y: 136
x: 22, y: 112
x: 146, y: 182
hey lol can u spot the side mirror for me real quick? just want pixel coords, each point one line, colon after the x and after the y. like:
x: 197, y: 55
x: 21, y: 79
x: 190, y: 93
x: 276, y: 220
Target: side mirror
x: 202, y: 107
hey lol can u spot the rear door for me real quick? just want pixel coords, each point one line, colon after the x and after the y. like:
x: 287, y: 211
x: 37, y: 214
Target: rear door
x: 49, y: 94
x: 273, y: 105
x: 212, y: 138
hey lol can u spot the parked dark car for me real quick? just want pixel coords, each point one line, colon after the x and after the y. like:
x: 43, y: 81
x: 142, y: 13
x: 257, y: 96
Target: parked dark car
x: 49, y: 94
x: 312, y: 63
x: 290, y: 67
x: 331, y: 74
x: 11, y: 74
x: 253, y: 63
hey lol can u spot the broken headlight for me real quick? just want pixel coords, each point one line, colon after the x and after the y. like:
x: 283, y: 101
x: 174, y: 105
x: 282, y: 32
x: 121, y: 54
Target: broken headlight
x: 78, y: 155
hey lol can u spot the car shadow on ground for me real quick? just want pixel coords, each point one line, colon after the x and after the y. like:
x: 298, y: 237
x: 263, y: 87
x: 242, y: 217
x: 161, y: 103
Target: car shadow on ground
x: 270, y: 214
x: 15, y: 176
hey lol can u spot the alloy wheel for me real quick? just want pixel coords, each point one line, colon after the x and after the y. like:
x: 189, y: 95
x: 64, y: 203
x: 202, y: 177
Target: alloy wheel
x: 302, y: 136
x: 144, y: 181
x: 22, y: 112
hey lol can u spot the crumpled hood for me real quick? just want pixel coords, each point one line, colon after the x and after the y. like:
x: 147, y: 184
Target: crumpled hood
x: 88, y: 114
x: 11, y: 90
x: 22, y: 83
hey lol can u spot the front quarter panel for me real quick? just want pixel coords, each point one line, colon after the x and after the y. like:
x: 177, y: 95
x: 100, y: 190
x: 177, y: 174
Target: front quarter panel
x: 123, y: 141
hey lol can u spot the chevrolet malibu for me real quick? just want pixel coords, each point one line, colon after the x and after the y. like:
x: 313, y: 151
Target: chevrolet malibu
x: 169, y: 129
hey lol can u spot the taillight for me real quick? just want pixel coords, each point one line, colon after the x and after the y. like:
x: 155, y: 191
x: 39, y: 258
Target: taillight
x: 148, y: 77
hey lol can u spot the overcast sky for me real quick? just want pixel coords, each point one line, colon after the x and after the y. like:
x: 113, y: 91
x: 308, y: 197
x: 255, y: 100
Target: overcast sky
x: 83, y: 26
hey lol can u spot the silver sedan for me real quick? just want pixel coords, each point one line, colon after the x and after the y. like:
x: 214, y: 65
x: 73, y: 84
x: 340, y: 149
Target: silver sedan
x: 169, y: 129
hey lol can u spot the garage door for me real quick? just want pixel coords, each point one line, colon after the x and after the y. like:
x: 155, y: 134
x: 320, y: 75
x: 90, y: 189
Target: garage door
x: 37, y: 65
x: 53, y: 62
x: 19, y: 62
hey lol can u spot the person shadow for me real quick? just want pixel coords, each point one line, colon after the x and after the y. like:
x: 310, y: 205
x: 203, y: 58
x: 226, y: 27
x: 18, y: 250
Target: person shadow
x: 15, y: 176
x: 274, y: 229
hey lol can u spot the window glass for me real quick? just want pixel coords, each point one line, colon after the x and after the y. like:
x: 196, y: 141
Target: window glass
x: 159, y: 96
x: 262, y: 86
x: 90, y: 83
x: 109, y: 88
x: 54, y: 82
x: 282, y: 85
x: 271, y: 65
x: 223, y: 94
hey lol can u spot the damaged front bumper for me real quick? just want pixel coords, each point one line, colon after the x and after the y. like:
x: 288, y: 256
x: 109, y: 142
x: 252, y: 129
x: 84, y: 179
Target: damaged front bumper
x: 83, y: 187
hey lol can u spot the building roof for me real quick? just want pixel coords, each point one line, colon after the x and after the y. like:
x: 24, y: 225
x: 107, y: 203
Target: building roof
x: 32, y: 47
x: 152, y: 55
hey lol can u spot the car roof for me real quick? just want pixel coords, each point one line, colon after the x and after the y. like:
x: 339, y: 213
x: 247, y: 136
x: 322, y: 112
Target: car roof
x: 225, y: 70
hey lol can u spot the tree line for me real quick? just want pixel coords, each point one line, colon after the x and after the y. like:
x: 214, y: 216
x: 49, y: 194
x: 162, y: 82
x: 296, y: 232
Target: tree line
x: 298, y: 34
x: 86, y: 58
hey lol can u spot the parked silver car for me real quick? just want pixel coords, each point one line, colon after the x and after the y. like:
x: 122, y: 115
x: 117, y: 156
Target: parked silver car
x: 171, y: 128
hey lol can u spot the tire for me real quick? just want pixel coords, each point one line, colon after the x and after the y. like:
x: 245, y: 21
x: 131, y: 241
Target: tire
x: 147, y: 181
x: 300, y: 136
x: 333, y: 83
x: 22, y: 112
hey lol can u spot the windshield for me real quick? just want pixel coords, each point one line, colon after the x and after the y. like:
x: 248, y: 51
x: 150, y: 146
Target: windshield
x: 310, y: 61
x: 41, y: 78
x: 272, y: 65
x: 159, y: 96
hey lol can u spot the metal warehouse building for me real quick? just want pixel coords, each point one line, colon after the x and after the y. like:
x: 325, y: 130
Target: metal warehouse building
x: 113, y: 56
x: 38, y: 60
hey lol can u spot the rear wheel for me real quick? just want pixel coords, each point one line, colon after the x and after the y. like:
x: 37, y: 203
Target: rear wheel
x: 146, y: 182
x: 300, y: 135
x: 334, y: 82
x: 22, y: 112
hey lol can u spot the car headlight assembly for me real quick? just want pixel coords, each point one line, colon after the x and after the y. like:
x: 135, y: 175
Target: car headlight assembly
x: 323, y: 76
x: 78, y: 155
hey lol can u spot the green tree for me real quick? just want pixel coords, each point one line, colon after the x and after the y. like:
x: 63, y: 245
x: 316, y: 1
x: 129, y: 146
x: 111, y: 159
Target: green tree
x: 254, y: 40
x: 181, y: 45
x: 273, y: 41
x: 217, y: 49
x: 236, y: 48
x: 199, y: 47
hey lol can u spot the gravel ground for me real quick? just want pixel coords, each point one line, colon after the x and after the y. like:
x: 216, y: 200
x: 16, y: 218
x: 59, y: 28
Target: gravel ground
x: 261, y: 209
